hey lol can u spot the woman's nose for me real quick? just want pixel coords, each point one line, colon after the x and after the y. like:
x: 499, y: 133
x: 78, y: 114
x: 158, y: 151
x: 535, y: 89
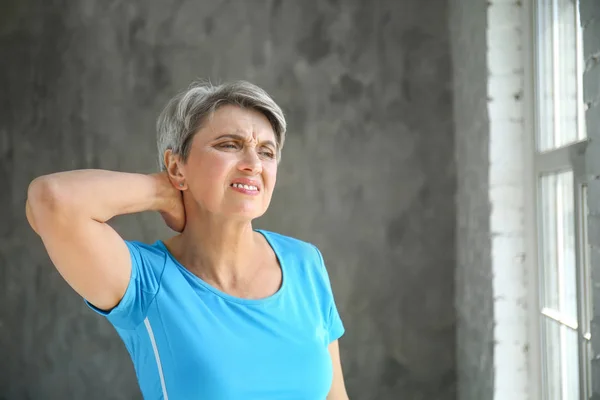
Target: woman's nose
x: 251, y: 161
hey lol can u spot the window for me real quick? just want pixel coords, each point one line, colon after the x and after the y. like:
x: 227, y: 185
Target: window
x: 560, y: 197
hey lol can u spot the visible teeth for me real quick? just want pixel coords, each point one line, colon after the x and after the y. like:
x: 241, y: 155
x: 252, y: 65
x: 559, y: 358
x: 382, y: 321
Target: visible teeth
x: 247, y: 187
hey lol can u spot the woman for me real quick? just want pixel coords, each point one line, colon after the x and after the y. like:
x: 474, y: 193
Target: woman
x: 219, y: 311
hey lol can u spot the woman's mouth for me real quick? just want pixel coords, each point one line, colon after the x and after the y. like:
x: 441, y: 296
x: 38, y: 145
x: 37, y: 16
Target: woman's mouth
x: 246, y: 189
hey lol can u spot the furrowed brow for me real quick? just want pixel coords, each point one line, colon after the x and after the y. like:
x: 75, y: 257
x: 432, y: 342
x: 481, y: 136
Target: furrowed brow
x: 235, y: 136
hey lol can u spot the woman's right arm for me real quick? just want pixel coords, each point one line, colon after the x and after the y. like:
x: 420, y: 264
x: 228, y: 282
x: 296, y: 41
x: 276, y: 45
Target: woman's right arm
x: 69, y: 211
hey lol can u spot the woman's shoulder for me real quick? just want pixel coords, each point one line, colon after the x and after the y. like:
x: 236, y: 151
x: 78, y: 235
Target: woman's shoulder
x: 154, y: 253
x: 289, y: 242
x: 303, y: 259
x: 152, y: 247
x: 291, y: 247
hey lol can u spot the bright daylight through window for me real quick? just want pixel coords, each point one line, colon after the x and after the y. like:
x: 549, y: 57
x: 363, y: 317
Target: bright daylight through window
x: 561, y: 208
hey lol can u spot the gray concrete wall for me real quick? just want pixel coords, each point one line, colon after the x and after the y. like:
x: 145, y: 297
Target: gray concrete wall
x: 590, y: 20
x: 474, y: 294
x: 368, y: 172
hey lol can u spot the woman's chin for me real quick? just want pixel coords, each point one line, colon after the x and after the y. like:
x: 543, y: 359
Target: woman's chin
x: 247, y: 213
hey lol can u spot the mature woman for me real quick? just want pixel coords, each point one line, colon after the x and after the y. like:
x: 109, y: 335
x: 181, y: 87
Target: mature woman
x: 221, y: 310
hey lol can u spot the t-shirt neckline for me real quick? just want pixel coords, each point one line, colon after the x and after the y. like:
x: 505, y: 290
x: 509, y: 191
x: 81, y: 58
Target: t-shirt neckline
x: 226, y: 296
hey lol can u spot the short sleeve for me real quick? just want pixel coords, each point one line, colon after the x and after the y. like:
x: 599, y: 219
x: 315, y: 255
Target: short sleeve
x: 146, y: 271
x: 336, y: 327
x: 334, y: 321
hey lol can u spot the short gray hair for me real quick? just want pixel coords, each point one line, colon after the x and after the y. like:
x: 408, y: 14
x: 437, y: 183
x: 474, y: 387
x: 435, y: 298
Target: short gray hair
x: 188, y: 110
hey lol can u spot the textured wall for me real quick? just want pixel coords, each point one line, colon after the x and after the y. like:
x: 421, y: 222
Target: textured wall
x: 474, y: 294
x: 368, y: 171
x: 590, y: 19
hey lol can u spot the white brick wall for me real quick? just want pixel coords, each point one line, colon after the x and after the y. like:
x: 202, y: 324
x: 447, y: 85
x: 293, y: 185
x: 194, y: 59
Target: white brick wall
x: 507, y: 195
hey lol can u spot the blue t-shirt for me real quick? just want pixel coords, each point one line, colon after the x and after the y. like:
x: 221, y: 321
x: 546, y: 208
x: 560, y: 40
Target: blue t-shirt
x: 189, y: 340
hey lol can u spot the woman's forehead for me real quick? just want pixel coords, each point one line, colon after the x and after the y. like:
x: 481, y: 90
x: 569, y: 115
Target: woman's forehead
x: 244, y: 123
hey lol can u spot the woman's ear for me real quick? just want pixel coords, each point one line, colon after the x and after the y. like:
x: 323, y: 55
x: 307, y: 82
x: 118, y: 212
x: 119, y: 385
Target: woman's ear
x: 175, y: 169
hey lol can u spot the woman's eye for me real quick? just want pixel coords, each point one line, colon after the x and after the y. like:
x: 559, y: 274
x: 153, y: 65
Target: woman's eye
x: 268, y: 154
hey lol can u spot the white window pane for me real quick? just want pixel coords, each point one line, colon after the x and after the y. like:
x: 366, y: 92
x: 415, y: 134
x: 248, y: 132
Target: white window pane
x: 561, y: 362
x: 545, y: 71
x: 558, y: 70
x: 581, y: 126
x: 586, y: 297
x: 552, y: 361
x: 557, y: 232
x: 586, y: 284
x: 567, y: 69
x: 570, y: 353
x: 589, y: 355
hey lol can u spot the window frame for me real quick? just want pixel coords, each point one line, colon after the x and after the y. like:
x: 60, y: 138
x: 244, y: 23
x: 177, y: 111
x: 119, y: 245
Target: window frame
x: 569, y: 157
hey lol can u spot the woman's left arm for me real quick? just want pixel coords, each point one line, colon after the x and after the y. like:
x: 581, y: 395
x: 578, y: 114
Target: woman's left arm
x: 338, y: 388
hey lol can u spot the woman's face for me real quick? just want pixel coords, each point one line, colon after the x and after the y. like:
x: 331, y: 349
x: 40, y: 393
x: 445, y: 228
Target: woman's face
x: 232, y: 165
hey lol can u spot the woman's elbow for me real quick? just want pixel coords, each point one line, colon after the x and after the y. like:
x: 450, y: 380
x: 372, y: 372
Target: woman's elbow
x: 43, y: 199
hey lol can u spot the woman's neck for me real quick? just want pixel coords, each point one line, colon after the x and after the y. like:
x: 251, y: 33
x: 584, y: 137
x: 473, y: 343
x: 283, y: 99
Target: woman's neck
x: 222, y: 252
